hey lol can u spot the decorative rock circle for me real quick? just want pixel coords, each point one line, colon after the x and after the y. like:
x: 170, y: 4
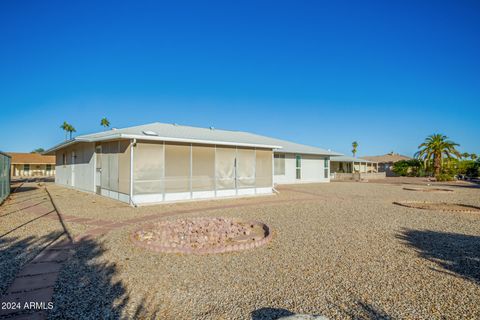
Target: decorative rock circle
x: 202, y: 235
x: 439, y: 206
x: 440, y: 190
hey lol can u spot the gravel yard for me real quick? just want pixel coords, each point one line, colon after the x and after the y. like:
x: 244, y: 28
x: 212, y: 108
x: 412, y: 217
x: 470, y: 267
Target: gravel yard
x: 341, y: 250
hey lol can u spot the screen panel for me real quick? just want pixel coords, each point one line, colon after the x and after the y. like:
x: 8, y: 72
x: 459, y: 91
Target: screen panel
x: 148, y: 168
x: 203, y: 168
x: 263, y: 168
x: 113, y: 165
x: 105, y: 159
x: 124, y: 167
x: 246, y: 168
x: 177, y: 168
x: 225, y: 168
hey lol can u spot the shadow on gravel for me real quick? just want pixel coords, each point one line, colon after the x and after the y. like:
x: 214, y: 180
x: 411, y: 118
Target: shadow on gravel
x: 360, y: 310
x: 24, y: 189
x: 89, y: 287
x: 15, y: 253
x: 457, y: 253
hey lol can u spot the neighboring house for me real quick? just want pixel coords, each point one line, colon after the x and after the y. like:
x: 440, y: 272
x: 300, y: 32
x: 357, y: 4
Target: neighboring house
x: 347, y: 168
x: 4, y: 176
x: 167, y: 162
x: 385, y: 162
x: 345, y: 164
x: 31, y: 165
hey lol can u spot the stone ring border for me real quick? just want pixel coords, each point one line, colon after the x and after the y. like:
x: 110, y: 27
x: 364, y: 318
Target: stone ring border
x: 221, y: 249
x: 439, y: 190
x: 411, y: 204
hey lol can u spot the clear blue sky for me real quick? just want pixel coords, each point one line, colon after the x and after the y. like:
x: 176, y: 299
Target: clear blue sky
x: 325, y: 73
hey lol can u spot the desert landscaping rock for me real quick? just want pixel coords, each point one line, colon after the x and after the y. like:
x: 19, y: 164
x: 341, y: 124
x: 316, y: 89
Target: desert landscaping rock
x: 202, y: 235
x: 340, y: 250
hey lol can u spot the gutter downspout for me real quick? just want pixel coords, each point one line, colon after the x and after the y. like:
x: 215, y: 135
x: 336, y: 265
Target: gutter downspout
x: 132, y: 145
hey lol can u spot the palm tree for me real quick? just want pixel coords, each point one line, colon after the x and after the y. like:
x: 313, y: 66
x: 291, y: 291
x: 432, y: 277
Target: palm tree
x: 354, y: 146
x: 105, y: 123
x: 65, y: 126
x: 473, y: 156
x: 465, y: 155
x: 70, y: 130
x: 434, y: 148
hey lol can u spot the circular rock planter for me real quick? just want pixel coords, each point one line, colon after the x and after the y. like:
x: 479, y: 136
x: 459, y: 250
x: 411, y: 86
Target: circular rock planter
x: 202, y: 235
x: 440, y: 206
x: 439, y: 190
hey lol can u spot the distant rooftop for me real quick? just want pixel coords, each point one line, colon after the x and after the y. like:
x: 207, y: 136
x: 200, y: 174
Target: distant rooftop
x: 179, y: 133
x: 389, y: 157
x: 348, y: 159
x: 30, y: 158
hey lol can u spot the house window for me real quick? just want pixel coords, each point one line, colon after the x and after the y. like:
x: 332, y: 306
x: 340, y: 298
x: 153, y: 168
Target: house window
x: 326, y: 164
x: 48, y: 167
x: 26, y: 167
x: 298, y: 161
x: 64, y: 159
x: 279, y: 164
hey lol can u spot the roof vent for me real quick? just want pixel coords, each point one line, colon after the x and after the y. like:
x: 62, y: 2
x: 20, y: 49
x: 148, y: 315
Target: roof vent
x: 212, y: 128
x: 150, y: 133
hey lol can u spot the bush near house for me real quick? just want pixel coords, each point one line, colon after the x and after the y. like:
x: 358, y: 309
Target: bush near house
x: 409, y: 168
x: 450, y: 168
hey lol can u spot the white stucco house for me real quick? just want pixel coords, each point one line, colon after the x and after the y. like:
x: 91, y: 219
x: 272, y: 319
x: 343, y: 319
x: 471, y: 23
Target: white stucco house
x: 161, y: 162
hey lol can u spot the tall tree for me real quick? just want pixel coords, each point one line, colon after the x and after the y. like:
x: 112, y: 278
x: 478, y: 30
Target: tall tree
x: 473, y: 156
x: 465, y: 155
x: 434, y: 148
x: 38, y: 150
x: 354, y: 148
x: 104, y: 122
x: 70, y: 130
x: 65, y: 126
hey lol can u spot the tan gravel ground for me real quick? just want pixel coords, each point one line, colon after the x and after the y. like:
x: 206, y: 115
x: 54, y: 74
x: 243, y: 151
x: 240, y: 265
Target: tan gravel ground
x: 341, y: 250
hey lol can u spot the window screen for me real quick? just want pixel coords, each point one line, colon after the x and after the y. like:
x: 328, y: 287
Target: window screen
x: 225, y: 168
x: 177, y: 168
x: 203, y: 168
x: 245, y: 168
x: 148, y: 168
x: 279, y: 164
x: 263, y: 168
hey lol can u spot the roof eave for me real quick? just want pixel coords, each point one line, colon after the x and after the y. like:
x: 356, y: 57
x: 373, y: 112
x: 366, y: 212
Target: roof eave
x: 200, y: 141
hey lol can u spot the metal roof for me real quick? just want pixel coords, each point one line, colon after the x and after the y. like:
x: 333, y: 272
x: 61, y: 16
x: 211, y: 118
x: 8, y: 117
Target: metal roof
x: 348, y: 159
x: 180, y: 133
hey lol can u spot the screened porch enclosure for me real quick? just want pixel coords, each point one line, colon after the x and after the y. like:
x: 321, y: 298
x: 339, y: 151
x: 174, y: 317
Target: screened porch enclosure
x: 173, y: 171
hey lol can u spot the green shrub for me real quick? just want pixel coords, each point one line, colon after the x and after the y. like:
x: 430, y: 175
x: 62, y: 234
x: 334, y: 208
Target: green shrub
x: 410, y: 168
x: 444, y: 177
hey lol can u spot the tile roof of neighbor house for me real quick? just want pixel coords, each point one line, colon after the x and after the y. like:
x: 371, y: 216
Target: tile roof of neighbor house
x: 179, y: 133
x: 348, y: 159
x: 30, y: 158
x: 389, y: 157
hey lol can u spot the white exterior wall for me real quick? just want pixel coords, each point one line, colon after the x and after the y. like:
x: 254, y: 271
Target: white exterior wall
x: 312, y: 170
x: 80, y: 175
